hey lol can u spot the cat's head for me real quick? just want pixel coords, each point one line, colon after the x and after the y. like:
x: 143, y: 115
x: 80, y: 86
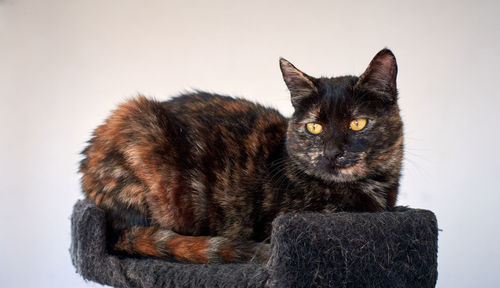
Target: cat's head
x: 345, y: 128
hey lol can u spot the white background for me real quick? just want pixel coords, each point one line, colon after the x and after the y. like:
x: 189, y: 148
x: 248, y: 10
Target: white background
x: 65, y: 64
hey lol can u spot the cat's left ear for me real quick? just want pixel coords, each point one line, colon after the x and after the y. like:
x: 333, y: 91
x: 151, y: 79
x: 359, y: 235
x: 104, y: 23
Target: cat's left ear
x: 299, y: 83
x: 380, y: 76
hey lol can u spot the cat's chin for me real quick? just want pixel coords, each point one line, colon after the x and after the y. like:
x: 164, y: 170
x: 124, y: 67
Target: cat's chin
x: 344, y: 174
x: 327, y: 172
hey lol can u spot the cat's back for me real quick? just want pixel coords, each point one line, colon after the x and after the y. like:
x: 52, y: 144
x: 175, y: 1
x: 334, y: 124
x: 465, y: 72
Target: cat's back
x: 224, y: 131
x: 217, y: 111
x: 188, y: 123
x: 150, y: 154
x: 224, y: 125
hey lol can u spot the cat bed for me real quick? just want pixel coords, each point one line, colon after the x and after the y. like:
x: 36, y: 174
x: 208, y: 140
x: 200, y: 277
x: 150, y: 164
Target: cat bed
x: 387, y: 249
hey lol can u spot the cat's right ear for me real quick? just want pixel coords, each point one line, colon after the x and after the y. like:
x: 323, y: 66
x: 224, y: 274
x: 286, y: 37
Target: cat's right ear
x: 300, y: 84
x: 380, y: 76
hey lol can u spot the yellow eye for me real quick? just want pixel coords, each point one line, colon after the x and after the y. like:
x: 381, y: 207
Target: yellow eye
x: 314, y: 128
x: 357, y: 124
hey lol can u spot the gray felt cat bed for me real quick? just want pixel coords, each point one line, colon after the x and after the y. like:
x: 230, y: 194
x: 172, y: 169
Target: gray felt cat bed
x: 387, y: 249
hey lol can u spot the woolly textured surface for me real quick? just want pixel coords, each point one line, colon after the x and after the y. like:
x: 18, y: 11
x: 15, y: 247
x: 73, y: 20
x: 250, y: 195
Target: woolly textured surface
x: 388, y: 249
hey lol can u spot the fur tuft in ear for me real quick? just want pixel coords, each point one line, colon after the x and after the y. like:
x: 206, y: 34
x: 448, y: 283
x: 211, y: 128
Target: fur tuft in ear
x: 380, y: 76
x: 300, y: 84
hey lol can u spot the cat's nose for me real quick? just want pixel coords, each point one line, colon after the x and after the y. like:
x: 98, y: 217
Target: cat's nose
x: 333, y: 153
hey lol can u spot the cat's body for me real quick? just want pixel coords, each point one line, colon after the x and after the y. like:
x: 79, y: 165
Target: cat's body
x: 202, y: 176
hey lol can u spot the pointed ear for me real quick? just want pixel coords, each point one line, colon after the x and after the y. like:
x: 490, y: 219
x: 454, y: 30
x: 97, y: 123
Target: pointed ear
x: 380, y: 76
x: 300, y: 84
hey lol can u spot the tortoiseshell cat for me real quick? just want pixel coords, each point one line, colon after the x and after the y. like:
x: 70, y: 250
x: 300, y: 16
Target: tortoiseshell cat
x: 202, y: 176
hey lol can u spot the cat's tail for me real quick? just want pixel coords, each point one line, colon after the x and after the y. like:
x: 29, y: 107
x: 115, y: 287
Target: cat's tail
x: 154, y: 241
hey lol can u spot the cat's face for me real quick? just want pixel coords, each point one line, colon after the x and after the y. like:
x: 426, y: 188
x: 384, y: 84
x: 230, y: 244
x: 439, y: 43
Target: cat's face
x: 345, y: 128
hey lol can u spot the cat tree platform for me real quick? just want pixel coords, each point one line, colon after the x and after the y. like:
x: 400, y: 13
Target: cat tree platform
x: 387, y: 249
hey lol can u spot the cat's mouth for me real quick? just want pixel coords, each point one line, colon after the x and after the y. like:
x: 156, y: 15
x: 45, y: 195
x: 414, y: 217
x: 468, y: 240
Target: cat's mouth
x: 352, y: 170
x: 345, y: 173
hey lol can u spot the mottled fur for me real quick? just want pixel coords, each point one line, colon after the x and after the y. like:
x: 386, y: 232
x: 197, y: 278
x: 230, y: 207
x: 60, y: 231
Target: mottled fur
x: 202, y: 176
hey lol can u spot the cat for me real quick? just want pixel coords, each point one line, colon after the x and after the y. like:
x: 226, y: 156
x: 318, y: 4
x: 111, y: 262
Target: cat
x: 201, y: 177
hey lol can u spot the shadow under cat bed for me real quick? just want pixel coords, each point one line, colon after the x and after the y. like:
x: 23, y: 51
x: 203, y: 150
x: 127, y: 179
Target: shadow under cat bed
x: 386, y: 249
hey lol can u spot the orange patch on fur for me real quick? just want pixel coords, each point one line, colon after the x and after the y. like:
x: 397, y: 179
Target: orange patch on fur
x: 192, y: 249
x: 234, y: 106
x: 145, y: 245
x: 92, y: 194
x: 98, y: 199
x: 95, y: 159
x: 352, y: 169
x: 226, y: 254
x: 88, y: 183
x: 110, y: 185
x: 133, y: 194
